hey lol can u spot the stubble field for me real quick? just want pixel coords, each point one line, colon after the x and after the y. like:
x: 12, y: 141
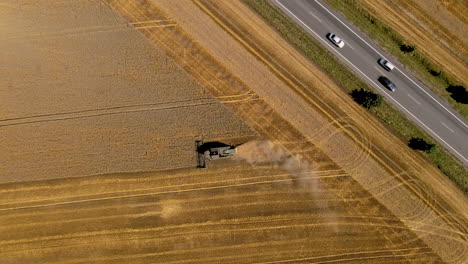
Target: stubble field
x: 310, y: 185
x: 259, y: 214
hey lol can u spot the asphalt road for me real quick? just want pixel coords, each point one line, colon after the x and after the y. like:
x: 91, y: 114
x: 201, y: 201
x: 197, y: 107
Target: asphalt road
x: 414, y: 100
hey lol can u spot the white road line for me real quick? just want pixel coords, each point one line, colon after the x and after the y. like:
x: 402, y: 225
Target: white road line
x: 350, y: 46
x: 378, y: 69
x: 414, y: 99
x: 378, y: 87
x: 395, y: 67
x: 447, y: 127
x: 312, y: 14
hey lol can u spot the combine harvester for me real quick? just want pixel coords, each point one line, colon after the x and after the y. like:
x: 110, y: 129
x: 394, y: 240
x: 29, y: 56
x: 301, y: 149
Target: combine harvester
x: 213, y: 151
x: 220, y: 152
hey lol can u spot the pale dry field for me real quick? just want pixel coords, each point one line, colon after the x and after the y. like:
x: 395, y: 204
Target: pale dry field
x: 322, y: 191
x: 437, y: 27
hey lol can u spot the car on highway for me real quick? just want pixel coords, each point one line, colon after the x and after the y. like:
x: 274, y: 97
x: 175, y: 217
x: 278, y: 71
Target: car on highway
x: 335, y: 40
x: 386, y: 64
x: 387, y: 83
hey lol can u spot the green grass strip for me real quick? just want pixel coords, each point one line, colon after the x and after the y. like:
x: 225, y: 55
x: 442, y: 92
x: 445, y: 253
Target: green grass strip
x: 348, y: 81
x: 390, y: 40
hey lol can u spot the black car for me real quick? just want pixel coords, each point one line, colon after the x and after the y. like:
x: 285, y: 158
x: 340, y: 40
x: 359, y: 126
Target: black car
x: 387, y: 83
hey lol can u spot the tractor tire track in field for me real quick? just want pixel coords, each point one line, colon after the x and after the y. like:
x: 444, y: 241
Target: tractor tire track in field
x: 209, y: 216
x: 92, y: 30
x: 387, y: 162
x: 192, y: 60
x: 114, y: 110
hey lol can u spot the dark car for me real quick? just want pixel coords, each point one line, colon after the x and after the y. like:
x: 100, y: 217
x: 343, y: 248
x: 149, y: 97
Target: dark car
x: 387, y: 83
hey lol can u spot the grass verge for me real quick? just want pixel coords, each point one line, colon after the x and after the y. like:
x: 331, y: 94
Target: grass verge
x: 348, y: 81
x: 392, y: 42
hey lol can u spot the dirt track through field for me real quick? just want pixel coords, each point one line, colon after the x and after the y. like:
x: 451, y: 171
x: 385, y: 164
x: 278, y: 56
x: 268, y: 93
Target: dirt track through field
x: 333, y: 186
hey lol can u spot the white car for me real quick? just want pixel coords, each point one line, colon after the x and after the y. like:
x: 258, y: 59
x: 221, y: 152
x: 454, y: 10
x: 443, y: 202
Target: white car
x: 336, y: 40
x: 386, y: 64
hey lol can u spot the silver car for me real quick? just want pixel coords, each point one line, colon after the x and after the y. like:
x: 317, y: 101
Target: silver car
x: 335, y: 40
x: 386, y: 64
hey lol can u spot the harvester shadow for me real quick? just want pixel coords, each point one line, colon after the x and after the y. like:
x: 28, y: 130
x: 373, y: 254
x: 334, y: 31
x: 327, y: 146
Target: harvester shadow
x: 212, y: 151
x: 209, y: 145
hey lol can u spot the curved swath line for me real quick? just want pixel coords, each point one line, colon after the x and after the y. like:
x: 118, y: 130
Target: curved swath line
x: 173, y: 191
x: 391, y: 255
x: 194, y: 71
x: 382, y: 162
x: 437, y: 227
x: 107, y: 114
x: 174, y: 227
x: 163, y: 43
x: 396, y: 221
x: 127, y: 111
x: 390, y: 188
x: 154, y: 229
x: 137, y: 215
x: 199, y: 75
x: 393, y: 250
x: 133, y: 204
x: 72, y: 31
x: 157, y: 26
x: 249, y: 93
x: 291, y: 75
x: 243, y: 204
x: 152, y: 21
x: 167, y: 177
x: 346, y: 128
x: 214, y: 76
x: 245, y: 44
x: 152, y: 237
x: 244, y: 245
x: 107, y: 108
x: 250, y: 98
x: 328, y: 173
x: 64, y: 199
x: 418, y: 213
x: 84, y: 30
x: 230, y: 230
x: 123, y: 107
x: 101, y: 109
x: 120, y: 180
x: 191, y: 67
x: 202, y: 232
x: 360, y: 217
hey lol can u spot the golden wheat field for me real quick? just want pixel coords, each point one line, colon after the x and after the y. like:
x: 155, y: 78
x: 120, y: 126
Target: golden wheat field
x: 100, y: 108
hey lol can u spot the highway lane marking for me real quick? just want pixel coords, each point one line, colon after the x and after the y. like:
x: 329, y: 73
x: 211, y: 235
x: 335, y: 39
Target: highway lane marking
x: 370, y: 80
x: 312, y: 14
x: 350, y: 46
x: 414, y: 99
x: 447, y: 127
x: 395, y: 67
x: 378, y: 69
